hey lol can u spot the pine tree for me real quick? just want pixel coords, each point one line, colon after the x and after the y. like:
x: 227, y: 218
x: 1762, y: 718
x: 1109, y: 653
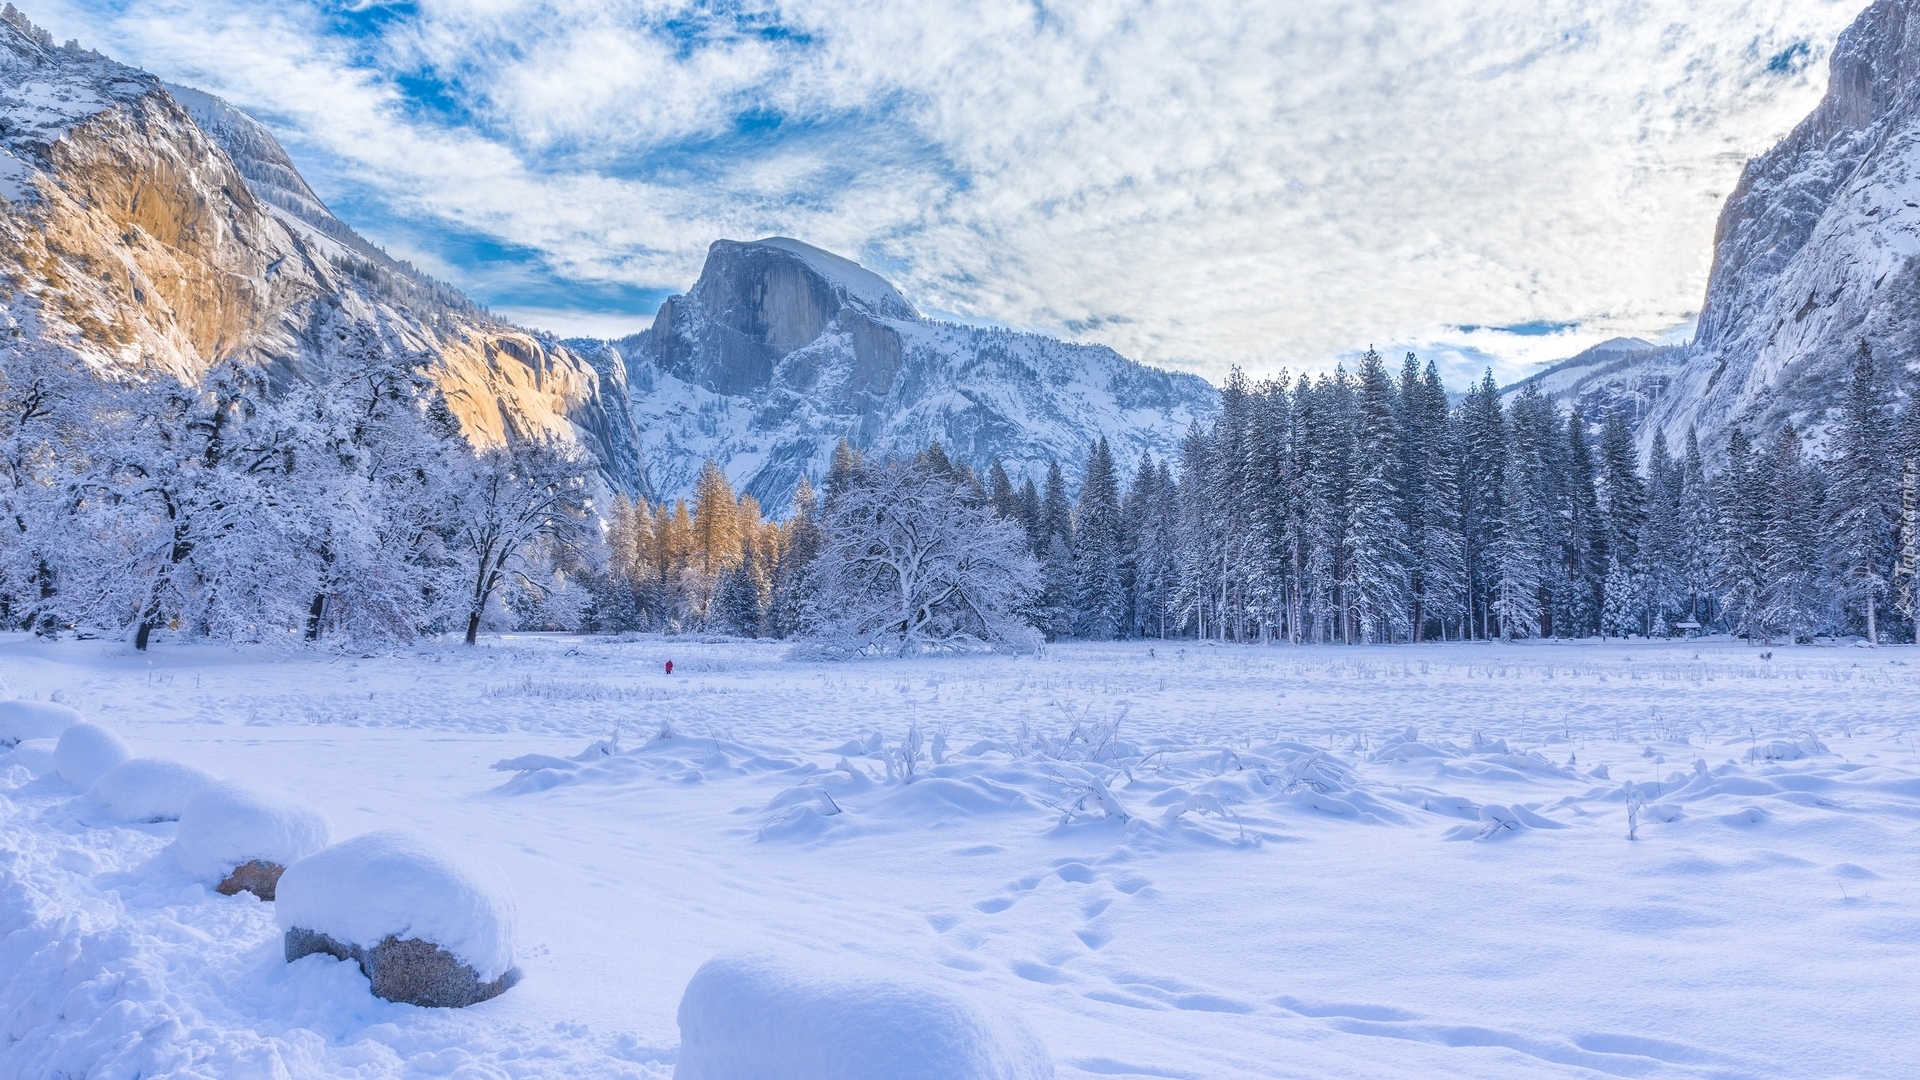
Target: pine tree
x: 1792, y: 545
x: 843, y: 471
x: 793, y: 608
x: 743, y: 594
x: 1516, y: 553
x: 1584, y: 554
x: 1699, y: 531
x: 1536, y: 442
x: 1055, y: 615
x: 1097, y: 597
x: 1029, y: 516
x: 1660, y: 537
x: 1618, y: 613
x: 1442, y: 560
x: 1623, y: 493
x: 1861, y: 508
x: 1136, y: 529
x: 1745, y: 498
x: 1375, y: 582
x: 1483, y: 438
x: 1000, y: 490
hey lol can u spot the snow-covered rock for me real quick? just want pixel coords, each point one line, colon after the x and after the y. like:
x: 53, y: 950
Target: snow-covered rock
x: 22, y: 720
x: 424, y: 928
x: 236, y: 838
x: 762, y: 1017
x: 780, y: 349
x: 86, y: 751
x: 148, y: 789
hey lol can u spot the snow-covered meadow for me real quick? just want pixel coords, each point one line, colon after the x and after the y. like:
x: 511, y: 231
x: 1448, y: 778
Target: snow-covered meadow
x: 1169, y: 860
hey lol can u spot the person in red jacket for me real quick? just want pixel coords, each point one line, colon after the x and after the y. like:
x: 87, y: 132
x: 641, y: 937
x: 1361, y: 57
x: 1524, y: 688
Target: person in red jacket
x: 669, y: 667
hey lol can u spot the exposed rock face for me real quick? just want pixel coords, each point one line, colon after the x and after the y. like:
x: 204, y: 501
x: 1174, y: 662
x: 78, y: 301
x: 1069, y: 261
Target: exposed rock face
x: 152, y: 233
x: 781, y: 349
x: 1815, y: 248
x: 256, y: 876
x: 1815, y: 254
x: 407, y: 969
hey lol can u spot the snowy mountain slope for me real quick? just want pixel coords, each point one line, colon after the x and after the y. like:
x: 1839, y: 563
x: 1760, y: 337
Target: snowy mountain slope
x: 1815, y: 249
x: 144, y: 236
x: 1622, y: 373
x: 780, y: 349
x: 1814, y: 255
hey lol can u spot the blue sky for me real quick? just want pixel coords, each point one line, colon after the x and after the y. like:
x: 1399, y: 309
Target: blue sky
x: 1198, y: 184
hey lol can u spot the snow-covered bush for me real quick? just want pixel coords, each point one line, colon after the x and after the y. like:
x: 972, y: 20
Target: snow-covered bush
x: 147, y: 789
x: 23, y: 720
x: 424, y: 928
x: 916, y: 561
x: 236, y: 838
x: 85, y: 752
x: 759, y: 1017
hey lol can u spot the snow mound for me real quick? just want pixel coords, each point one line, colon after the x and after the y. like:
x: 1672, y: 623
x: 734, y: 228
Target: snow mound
x: 760, y: 1017
x: 85, y: 752
x: 394, y: 884
x: 23, y: 720
x: 148, y: 789
x: 33, y: 755
x: 225, y: 825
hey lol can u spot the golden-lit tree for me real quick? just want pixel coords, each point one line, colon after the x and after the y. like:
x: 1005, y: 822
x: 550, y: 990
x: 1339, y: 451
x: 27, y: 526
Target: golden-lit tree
x: 675, y: 558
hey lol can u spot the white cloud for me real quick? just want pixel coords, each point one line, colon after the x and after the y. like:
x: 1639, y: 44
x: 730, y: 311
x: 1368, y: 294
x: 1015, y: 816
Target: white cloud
x: 1196, y: 184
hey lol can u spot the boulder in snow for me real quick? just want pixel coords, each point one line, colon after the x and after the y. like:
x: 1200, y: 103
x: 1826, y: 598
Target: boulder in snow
x: 244, y: 839
x: 423, y: 928
x: 23, y: 720
x: 148, y: 789
x: 758, y: 1017
x: 85, y: 752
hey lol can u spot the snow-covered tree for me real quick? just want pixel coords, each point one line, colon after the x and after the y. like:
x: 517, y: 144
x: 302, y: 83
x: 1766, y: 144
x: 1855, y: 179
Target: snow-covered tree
x: 1098, y: 602
x: 1861, y: 503
x: 915, y: 561
x: 510, y: 505
x: 1375, y: 582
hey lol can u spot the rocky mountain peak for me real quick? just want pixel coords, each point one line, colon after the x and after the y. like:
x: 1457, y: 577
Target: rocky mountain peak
x: 781, y: 349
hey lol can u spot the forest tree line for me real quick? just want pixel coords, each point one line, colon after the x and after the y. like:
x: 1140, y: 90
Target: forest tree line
x: 1347, y: 507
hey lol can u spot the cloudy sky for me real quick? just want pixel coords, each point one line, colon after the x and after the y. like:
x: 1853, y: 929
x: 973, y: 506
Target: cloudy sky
x: 1197, y: 183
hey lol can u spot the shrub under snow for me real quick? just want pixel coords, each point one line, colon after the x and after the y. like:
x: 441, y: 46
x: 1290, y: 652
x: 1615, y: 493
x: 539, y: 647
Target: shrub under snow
x: 148, y: 789
x: 23, y: 720
x: 237, y: 838
x: 758, y: 1017
x: 392, y: 901
x: 85, y: 752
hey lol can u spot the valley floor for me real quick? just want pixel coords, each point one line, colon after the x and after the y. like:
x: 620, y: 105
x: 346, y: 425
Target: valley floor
x: 1381, y: 862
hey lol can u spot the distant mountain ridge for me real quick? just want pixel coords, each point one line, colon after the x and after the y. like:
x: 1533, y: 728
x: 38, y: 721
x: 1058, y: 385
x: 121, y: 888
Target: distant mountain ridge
x: 781, y: 349
x: 147, y: 227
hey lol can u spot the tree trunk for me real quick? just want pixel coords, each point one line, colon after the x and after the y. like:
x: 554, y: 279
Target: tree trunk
x: 473, y: 627
x: 1873, y: 630
x: 314, y: 614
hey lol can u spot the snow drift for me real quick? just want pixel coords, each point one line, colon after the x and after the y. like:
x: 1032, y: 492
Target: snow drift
x: 85, y: 752
x: 760, y: 1017
x: 147, y: 789
x: 23, y: 720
